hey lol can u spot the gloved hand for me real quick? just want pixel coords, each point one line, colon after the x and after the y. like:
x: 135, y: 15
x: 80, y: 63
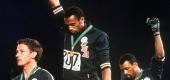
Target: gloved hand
x: 154, y: 24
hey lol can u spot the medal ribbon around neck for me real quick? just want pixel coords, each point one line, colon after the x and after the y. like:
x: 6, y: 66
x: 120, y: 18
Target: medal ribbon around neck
x: 78, y: 39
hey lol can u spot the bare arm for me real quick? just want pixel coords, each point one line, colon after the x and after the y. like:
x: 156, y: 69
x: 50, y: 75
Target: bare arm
x: 155, y: 26
x: 159, y: 49
x: 106, y: 74
x: 55, y: 6
x: 54, y: 3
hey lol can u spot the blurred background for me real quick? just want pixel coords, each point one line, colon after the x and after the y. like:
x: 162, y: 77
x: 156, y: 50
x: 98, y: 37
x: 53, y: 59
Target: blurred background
x: 123, y: 20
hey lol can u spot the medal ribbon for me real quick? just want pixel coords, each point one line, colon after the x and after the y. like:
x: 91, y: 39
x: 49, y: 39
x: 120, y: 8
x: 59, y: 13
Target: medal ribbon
x: 82, y: 34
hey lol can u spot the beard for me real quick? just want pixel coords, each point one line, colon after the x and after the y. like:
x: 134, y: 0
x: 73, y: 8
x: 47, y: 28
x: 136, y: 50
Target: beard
x: 73, y: 32
x: 129, y: 78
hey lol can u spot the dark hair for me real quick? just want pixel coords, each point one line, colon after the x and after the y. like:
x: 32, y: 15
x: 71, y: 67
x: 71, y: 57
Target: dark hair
x: 127, y: 57
x: 74, y: 10
x: 33, y: 45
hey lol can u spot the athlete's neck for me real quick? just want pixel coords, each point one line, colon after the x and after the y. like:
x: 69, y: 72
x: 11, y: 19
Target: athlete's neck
x: 27, y: 69
x: 138, y: 70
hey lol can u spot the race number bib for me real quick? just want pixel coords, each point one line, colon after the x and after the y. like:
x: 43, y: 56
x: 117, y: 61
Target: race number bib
x: 73, y: 62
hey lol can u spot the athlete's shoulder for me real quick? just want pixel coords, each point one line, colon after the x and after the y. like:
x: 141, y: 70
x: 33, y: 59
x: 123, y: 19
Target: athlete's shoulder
x: 45, y: 74
x: 97, y: 31
x: 16, y: 77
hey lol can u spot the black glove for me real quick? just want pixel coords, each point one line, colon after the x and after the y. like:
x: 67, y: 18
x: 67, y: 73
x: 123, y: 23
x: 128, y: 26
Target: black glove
x: 154, y: 24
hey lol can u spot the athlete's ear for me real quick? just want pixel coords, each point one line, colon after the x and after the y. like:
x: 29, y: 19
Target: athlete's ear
x: 33, y: 54
x: 82, y: 20
x: 135, y: 63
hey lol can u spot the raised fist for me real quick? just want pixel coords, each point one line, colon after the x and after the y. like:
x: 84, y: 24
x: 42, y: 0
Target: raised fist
x: 154, y: 24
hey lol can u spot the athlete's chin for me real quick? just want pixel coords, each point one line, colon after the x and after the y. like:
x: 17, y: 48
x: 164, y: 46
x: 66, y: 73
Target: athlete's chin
x: 20, y: 63
x: 74, y: 32
x: 129, y: 78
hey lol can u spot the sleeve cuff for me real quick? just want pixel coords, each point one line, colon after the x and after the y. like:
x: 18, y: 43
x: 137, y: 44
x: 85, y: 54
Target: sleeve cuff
x: 104, y: 65
x: 57, y: 9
